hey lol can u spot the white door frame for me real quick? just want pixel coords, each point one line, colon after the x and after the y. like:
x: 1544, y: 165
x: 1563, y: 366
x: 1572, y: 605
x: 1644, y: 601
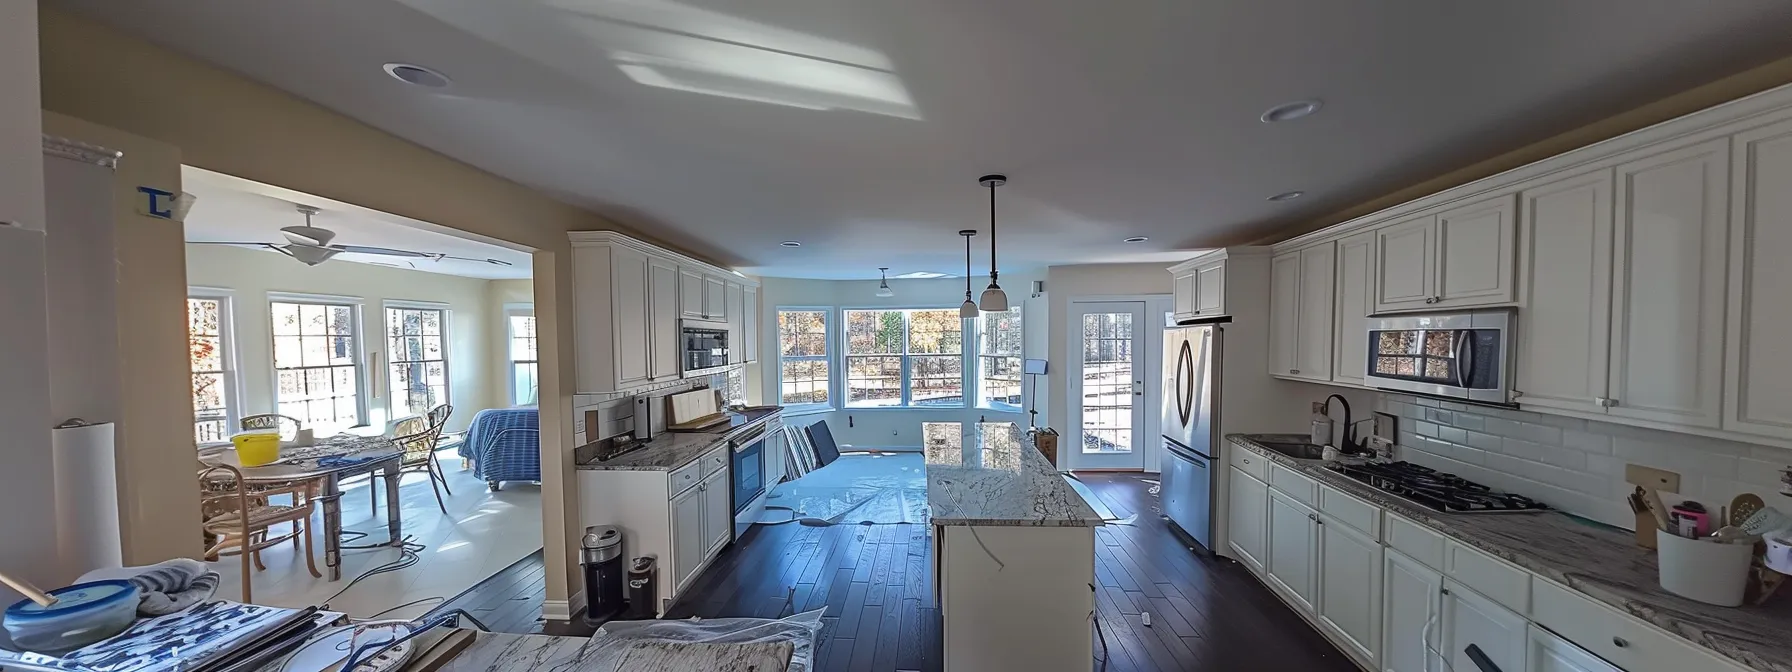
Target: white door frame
x: 1146, y: 433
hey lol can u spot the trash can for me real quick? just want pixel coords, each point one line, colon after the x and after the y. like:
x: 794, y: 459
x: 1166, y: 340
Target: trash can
x: 601, y: 555
x: 641, y: 595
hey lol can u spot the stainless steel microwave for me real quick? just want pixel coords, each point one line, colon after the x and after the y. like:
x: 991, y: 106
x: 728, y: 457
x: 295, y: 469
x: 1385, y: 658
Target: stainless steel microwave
x: 1466, y: 356
x: 703, y: 348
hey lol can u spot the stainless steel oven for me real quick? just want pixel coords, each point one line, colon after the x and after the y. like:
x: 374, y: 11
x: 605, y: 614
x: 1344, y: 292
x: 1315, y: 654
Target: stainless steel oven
x: 703, y: 348
x: 1463, y: 356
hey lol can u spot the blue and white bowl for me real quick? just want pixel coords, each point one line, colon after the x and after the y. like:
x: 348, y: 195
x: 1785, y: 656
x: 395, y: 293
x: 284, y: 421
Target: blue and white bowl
x: 84, y: 613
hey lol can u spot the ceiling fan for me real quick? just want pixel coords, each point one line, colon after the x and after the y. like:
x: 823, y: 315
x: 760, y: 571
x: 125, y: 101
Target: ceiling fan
x: 311, y: 245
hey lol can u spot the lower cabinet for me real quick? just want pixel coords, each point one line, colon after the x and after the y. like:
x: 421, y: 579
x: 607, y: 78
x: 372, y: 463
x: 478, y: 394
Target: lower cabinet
x: 688, y: 542
x: 1472, y: 620
x: 1293, y: 536
x: 1409, y: 613
x: 718, y: 512
x: 1549, y: 653
x: 682, y: 517
x: 1247, y: 518
x: 1350, y: 588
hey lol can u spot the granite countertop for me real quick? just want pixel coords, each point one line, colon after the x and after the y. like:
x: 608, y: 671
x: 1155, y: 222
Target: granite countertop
x: 1597, y: 561
x: 672, y: 450
x: 501, y: 652
x: 993, y: 475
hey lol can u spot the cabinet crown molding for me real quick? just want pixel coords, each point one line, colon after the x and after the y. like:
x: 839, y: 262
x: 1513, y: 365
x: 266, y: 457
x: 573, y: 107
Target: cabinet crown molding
x: 617, y: 238
x: 1220, y: 254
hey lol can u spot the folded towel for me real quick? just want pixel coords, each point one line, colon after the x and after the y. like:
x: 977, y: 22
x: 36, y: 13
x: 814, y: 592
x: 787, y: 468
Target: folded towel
x: 167, y: 587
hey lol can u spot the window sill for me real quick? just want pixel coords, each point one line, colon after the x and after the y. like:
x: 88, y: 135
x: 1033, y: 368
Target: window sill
x: 862, y: 409
x: 1002, y: 408
x: 807, y: 409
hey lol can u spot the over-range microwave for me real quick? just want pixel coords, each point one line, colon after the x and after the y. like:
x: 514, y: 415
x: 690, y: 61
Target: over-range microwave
x: 703, y: 348
x: 1463, y: 356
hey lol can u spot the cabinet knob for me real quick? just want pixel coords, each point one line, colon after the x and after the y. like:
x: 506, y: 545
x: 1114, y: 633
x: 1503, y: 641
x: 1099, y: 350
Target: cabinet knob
x: 1247, y: 460
x: 1429, y: 299
x: 1294, y: 371
x: 1620, y: 642
x: 1443, y: 591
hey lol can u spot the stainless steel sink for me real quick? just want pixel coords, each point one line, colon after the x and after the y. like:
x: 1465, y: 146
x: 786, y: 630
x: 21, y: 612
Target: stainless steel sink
x: 1296, y: 450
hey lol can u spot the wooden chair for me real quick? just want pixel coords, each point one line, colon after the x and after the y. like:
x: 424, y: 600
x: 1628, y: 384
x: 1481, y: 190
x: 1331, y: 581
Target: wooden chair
x: 288, y: 426
x: 239, y: 518
x: 420, y: 451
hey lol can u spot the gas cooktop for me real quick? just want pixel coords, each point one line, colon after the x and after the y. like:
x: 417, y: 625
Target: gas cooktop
x: 1436, y: 490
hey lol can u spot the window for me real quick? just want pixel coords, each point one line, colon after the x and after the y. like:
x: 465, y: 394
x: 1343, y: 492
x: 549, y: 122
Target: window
x: 904, y: 358
x: 999, y: 360
x: 418, y: 365
x: 803, y: 357
x: 525, y: 381
x: 734, y: 387
x: 317, y: 365
x: 214, y: 377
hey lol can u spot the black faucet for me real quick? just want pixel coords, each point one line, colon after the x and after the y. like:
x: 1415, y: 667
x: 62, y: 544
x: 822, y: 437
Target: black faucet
x: 1348, y: 445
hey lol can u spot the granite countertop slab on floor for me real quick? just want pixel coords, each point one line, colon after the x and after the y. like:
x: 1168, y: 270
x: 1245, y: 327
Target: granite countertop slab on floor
x: 1599, y: 562
x: 501, y: 652
x: 992, y: 475
x: 672, y: 450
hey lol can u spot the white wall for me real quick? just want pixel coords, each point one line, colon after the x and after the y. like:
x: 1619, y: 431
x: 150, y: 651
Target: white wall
x: 881, y: 428
x: 252, y: 274
x: 498, y: 295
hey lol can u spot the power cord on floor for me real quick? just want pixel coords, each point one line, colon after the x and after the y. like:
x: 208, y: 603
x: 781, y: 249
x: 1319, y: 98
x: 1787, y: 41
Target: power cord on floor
x: 437, y: 598
x: 407, y: 556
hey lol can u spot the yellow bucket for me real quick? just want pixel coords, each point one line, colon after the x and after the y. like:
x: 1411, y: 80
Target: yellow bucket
x: 256, y: 448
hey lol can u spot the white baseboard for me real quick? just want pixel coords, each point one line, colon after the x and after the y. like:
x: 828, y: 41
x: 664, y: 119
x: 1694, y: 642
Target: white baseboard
x: 563, y: 610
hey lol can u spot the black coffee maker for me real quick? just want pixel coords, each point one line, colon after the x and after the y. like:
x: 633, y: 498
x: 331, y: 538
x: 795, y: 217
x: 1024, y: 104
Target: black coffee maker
x: 600, y: 553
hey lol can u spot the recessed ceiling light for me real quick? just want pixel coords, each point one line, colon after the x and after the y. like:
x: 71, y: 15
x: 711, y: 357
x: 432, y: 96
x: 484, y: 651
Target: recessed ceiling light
x: 791, y: 243
x: 1286, y: 196
x: 1136, y: 239
x: 1291, y: 111
x: 418, y: 75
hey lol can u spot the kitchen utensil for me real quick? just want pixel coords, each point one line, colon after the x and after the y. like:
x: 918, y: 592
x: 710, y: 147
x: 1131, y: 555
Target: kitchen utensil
x: 1743, y: 506
x: 1645, y: 521
x: 1766, y: 520
x: 1690, y: 519
x: 1658, y: 510
x: 82, y: 614
x: 1703, y: 571
x: 25, y: 588
x: 1730, y: 534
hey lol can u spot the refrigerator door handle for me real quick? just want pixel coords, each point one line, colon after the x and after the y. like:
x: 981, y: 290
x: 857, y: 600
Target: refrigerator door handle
x: 1185, y: 383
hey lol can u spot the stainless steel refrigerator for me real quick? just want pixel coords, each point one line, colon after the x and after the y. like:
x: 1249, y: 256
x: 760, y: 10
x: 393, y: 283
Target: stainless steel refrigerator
x: 1191, y: 431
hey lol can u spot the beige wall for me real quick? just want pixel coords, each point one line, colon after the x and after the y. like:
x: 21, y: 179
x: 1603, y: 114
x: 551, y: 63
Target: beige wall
x: 1063, y: 283
x: 500, y: 294
x: 251, y: 275
x: 223, y: 122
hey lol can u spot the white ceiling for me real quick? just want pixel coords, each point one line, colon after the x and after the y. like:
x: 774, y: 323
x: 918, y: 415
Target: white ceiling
x: 859, y: 127
x: 232, y: 209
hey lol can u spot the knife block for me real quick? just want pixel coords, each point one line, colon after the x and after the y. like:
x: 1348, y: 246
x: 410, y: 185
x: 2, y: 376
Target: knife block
x: 1645, y: 529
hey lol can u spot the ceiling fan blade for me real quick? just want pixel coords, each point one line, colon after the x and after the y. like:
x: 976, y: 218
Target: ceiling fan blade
x: 232, y: 242
x: 387, y: 251
x: 494, y: 262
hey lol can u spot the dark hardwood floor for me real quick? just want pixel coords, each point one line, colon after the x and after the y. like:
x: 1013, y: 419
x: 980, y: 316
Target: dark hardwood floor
x: 1207, y: 613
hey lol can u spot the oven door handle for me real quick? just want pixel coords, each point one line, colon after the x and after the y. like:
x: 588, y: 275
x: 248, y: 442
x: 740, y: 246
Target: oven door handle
x: 1465, y: 357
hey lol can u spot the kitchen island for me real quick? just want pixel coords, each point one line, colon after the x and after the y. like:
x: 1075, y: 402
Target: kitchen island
x: 1015, y: 553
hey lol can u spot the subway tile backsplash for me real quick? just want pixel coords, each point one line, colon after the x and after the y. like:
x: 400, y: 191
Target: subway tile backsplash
x: 1572, y: 464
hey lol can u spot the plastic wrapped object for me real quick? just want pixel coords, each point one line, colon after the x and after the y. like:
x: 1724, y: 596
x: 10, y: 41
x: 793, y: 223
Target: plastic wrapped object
x: 611, y: 642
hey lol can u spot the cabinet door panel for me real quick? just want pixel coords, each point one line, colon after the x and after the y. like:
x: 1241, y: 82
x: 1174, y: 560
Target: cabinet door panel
x: 1549, y: 653
x: 687, y: 535
x: 1292, y: 549
x: 1284, y: 314
x: 735, y: 300
x: 1405, y: 264
x: 718, y: 512
x: 662, y: 315
x: 1185, y: 293
x: 1210, y: 290
x: 1247, y: 525
x: 1476, y: 245
x: 1759, y: 400
x: 715, y: 298
x: 1668, y: 290
x: 628, y: 303
x: 1349, y: 358
x: 1350, y: 587
x: 1313, y: 328
x: 1469, y: 618
x: 750, y: 325
x: 1564, y: 337
x: 1409, y: 622
x: 690, y: 293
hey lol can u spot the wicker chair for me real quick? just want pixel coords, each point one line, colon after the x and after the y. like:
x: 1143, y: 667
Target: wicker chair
x: 288, y: 426
x: 239, y: 518
x: 420, y: 451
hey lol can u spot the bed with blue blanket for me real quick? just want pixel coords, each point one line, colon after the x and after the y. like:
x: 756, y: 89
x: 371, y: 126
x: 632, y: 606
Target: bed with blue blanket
x: 504, y: 445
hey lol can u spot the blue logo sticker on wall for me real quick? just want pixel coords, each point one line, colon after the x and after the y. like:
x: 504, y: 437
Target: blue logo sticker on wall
x: 160, y: 203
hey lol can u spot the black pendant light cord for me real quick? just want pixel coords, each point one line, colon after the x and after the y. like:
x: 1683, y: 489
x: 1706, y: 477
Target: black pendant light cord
x: 992, y: 233
x: 967, y: 265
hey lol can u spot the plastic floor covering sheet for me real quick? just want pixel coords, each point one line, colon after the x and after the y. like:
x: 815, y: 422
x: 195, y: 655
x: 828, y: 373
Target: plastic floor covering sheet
x: 875, y: 488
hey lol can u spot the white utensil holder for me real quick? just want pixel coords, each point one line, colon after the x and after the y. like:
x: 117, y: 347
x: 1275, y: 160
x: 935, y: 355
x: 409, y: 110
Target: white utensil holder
x: 1701, y: 570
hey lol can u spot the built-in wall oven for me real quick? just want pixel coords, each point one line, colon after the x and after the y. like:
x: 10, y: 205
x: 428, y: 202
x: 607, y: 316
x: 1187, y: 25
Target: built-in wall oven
x: 1463, y: 356
x: 703, y: 348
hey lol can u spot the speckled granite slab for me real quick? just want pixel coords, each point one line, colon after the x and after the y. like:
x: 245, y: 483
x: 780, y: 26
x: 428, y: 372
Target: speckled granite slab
x: 674, y: 449
x: 1596, y: 561
x: 500, y: 652
x: 993, y: 475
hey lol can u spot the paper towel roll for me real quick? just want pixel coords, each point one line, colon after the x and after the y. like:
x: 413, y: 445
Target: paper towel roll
x: 87, y: 530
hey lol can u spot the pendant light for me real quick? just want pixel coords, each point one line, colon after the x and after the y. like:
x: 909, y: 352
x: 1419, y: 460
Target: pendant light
x: 968, y: 308
x: 994, y: 299
x: 883, y: 287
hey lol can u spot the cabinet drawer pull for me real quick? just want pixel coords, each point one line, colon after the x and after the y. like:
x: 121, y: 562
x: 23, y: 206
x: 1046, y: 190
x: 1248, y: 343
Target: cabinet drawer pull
x: 1294, y: 371
x: 1247, y: 460
x: 1620, y: 642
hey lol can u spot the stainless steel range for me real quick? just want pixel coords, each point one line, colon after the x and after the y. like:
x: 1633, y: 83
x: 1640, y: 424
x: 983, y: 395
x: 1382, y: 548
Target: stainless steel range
x: 1436, y: 490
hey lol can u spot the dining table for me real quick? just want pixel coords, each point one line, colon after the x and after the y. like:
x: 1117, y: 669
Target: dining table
x: 327, y: 461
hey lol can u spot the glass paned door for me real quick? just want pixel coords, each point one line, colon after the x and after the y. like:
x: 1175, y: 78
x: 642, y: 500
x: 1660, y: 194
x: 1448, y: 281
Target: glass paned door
x: 1107, y: 383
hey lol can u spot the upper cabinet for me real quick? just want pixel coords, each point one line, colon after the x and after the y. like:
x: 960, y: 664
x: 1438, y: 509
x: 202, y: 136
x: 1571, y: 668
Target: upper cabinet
x: 690, y: 294
x: 1200, y: 286
x: 749, y: 319
x: 1458, y: 258
x: 1563, y: 337
x: 734, y: 300
x: 1759, y: 399
x: 715, y: 298
x: 1350, y: 339
x: 662, y: 317
x: 1300, y: 288
x: 628, y: 310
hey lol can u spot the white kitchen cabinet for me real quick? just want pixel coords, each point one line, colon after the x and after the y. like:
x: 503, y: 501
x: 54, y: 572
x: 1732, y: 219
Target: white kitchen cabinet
x: 1476, y: 247
x: 690, y: 294
x: 1210, y: 289
x: 1350, y: 340
x: 1758, y: 374
x: 734, y: 300
x: 1284, y: 314
x: 1349, y: 604
x: 1199, y: 284
x: 1293, y: 542
x: 628, y: 278
x: 662, y: 318
x: 1301, y: 285
x: 749, y: 345
x: 1247, y: 523
x: 1564, y: 336
x: 715, y: 298
x: 1467, y: 618
x: 1549, y: 653
x: 1406, y: 265
x: 1183, y: 288
x: 1668, y: 293
x: 689, y: 539
x: 718, y: 512
x: 1409, y: 614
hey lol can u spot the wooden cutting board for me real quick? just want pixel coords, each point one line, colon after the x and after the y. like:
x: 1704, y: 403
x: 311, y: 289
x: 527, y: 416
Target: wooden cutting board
x: 688, y: 406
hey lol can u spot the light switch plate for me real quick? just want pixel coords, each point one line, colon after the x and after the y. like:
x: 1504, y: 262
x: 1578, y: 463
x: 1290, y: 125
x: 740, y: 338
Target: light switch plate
x: 1650, y: 478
